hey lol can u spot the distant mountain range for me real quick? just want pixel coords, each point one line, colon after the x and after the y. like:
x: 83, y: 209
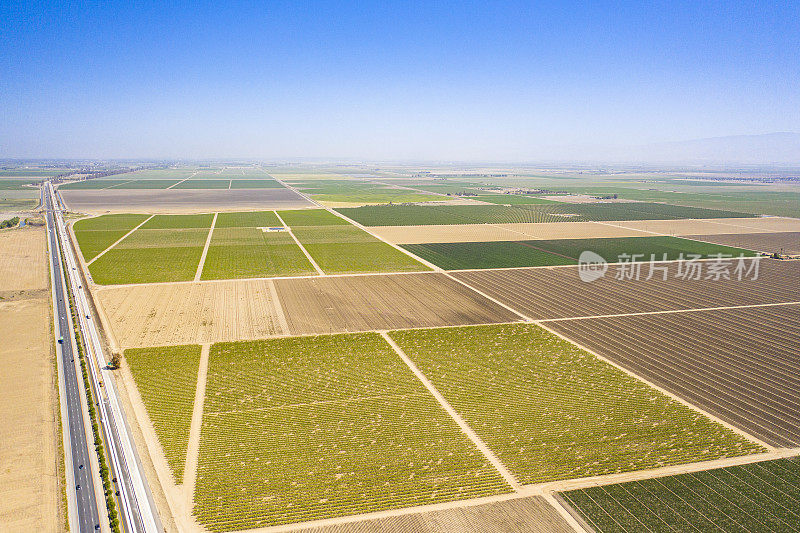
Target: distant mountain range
x: 768, y: 149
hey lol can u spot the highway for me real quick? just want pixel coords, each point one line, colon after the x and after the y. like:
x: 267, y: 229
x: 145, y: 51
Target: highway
x: 81, y: 490
x: 137, y: 510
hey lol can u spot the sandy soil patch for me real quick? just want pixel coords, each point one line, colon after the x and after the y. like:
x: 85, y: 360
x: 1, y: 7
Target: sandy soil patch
x: 713, y: 226
x: 23, y: 259
x: 524, y: 515
x: 181, y: 201
x: 30, y: 497
x: 187, y: 313
x: 500, y: 232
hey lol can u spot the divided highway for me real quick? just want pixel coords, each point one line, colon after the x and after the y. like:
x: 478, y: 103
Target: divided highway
x: 83, y: 502
x: 138, y: 513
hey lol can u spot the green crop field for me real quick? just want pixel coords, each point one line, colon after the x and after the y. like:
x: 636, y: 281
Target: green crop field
x: 179, y: 221
x: 341, y: 249
x: 166, y: 379
x: 252, y: 219
x: 550, y: 410
x: 146, y: 265
x: 248, y: 252
x: 143, y: 184
x: 408, y: 215
x: 16, y: 184
x: 96, y: 183
x: 309, y: 428
x: 763, y: 496
x: 506, y: 254
x: 311, y: 217
x: 356, y: 191
x: 204, y: 184
x: 152, y: 255
x: 98, y: 233
x: 255, y: 184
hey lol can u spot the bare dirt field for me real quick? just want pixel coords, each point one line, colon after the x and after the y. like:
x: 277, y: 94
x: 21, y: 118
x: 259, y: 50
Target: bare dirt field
x: 363, y: 303
x: 713, y: 226
x: 741, y: 365
x: 500, y: 232
x: 187, y: 313
x: 558, y: 292
x: 180, y: 200
x: 525, y: 515
x: 23, y: 259
x: 30, y: 497
x: 784, y: 242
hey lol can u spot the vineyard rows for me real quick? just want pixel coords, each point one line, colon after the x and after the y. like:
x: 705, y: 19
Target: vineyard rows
x: 166, y: 379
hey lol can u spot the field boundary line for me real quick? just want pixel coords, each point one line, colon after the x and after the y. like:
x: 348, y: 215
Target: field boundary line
x: 303, y: 248
x: 360, y: 226
x: 664, y: 391
x: 468, y: 431
x: 667, y: 312
x: 117, y: 185
x: 193, y: 447
x: 566, y: 512
x: 276, y: 304
x: 101, y: 254
x: 181, y: 181
x: 202, y: 262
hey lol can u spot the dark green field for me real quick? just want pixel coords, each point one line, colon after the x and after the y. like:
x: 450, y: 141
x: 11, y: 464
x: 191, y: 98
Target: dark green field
x: 507, y: 254
x: 409, y: 215
x: 311, y: 217
x: 759, y: 497
x: 248, y: 219
x: 204, y: 184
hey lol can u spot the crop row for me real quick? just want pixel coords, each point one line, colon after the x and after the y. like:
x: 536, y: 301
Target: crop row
x: 763, y: 496
x: 550, y: 410
x: 166, y: 378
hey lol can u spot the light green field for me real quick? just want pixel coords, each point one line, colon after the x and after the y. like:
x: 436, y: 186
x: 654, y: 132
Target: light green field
x: 255, y: 219
x: 343, y: 249
x: 179, y: 221
x: 311, y: 217
x: 166, y: 378
x: 248, y: 252
x: 96, y: 234
x: 146, y: 265
x: 308, y: 428
x: 360, y: 191
x: 551, y: 411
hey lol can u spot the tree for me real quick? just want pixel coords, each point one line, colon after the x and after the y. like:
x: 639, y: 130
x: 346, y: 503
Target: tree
x: 115, y: 360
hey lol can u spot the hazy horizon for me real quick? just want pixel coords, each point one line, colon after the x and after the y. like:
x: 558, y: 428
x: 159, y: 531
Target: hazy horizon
x: 459, y: 82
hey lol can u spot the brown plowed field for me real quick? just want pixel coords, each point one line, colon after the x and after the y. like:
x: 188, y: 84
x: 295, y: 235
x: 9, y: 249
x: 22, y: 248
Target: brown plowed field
x: 180, y: 200
x: 558, y: 292
x: 784, y: 242
x: 742, y: 365
x: 363, y: 303
x: 187, y: 313
x: 524, y: 515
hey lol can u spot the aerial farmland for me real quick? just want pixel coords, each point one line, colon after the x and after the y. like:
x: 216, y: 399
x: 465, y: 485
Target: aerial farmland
x: 348, y: 350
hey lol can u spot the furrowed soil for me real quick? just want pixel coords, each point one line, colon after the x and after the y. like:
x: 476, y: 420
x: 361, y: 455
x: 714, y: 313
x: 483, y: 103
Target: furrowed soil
x: 784, y: 242
x: 362, y: 303
x: 558, y: 292
x: 186, y: 313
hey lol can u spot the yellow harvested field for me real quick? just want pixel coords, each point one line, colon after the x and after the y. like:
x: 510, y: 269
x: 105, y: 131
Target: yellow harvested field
x: 23, y: 259
x: 187, y: 313
x: 30, y: 497
x: 713, y: 226
x: 500, y: 232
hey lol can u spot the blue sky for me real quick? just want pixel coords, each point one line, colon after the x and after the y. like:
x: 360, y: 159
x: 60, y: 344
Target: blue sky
x: 389, y: 80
